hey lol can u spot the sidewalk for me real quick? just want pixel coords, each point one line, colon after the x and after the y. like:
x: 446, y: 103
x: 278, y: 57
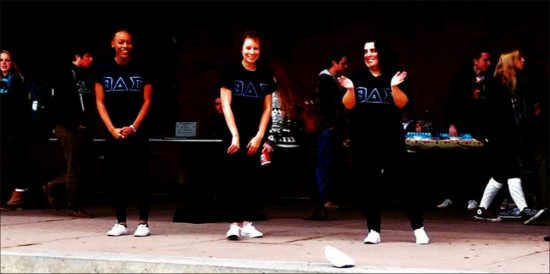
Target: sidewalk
x: 43, y: 240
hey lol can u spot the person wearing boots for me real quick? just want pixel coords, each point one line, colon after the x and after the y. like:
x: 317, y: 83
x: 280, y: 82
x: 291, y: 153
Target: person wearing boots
x: 15, y: 120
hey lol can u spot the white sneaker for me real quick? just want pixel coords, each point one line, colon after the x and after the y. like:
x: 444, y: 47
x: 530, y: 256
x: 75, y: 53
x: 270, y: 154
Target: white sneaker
x: 142, y: 230
x: 445, y: 203
x: 233, y: 233
x: 250, y: 231
x: 117, y: 230
x: 421, y: 236
x: 372, y: 238
x: 472, y: 204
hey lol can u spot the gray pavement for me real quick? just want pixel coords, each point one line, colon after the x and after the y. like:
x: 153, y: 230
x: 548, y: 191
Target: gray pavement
x: 41, y: 240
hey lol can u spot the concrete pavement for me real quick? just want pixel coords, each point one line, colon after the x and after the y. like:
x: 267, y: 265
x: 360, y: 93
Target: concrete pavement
x: 43, y: 240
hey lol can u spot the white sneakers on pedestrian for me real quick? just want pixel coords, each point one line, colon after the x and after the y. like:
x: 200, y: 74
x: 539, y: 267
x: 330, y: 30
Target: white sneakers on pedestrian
x: 250, y: 231
x: 445, y: 203
x: 142, y: 230
x: 117, y: 230
x: 372, y: 238
x: 233, y: 233
x: 472, y: 204
x: 421, y: 236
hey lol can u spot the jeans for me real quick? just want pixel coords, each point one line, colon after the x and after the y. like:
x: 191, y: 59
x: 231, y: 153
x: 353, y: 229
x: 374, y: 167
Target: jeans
x: 330, y: 163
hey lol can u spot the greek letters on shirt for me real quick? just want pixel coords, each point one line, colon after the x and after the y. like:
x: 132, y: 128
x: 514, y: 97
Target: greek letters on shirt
x: 375, y: 96
x: 241, y: 88
x: 247, y: 86
x: 121, y: 84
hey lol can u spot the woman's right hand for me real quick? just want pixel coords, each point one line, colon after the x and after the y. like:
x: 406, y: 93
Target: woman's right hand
x: 235, y: 145
x: 117, y: 133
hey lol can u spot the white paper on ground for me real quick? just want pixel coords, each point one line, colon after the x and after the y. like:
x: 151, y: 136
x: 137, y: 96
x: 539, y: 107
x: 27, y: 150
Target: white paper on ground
x: 338, y: 258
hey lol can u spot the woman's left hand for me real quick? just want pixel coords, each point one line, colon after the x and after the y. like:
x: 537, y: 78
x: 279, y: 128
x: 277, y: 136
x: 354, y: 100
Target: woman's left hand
x: 253, y: 146
x: 398, y: 78
x: 268, y: 148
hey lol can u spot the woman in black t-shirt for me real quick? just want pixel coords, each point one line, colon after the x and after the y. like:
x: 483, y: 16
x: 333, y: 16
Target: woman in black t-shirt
x: 123, y: 95
x: 246, y: 91
x: 376, y: 96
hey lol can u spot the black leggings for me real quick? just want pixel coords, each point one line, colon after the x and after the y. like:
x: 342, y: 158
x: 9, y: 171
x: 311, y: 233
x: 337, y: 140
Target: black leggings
x: 380, y: 171
x: 241, y: 189
x: 126, y: 166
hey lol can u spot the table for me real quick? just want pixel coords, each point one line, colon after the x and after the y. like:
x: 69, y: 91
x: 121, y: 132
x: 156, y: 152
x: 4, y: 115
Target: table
x: 446, y: 167
x: 415, y: 144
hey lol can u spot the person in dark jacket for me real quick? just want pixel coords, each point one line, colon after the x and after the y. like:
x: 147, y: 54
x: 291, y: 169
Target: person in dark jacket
x: 331, y: 157
x: 508, y: 110
x: 463, y: 113
x: 15, y: 115
x: 73, y: 115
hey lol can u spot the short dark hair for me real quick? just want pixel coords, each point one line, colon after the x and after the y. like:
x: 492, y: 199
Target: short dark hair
x: 80, y: 50
x: 477, y: 50
x: 336, y: 55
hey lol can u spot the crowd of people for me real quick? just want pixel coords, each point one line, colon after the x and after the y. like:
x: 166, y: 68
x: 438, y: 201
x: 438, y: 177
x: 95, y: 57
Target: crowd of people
x: 259, y: 112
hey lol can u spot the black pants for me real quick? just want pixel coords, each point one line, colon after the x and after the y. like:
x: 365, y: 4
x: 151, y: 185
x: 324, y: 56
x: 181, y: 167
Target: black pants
x: 241, y: 192
x: 380, y: 173
x: 15, y: 163
x: 126, y: 171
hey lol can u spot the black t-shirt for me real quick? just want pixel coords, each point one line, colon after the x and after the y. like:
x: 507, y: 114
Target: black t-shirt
x: 248, y: 89
x: 123, y: 87
x: 375, y: 116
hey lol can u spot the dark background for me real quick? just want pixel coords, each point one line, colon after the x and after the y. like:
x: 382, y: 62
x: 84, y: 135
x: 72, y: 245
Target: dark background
x: 187, y: 42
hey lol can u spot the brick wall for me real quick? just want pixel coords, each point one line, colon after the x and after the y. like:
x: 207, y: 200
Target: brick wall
x: 188, y: 42
x: 432, y: 45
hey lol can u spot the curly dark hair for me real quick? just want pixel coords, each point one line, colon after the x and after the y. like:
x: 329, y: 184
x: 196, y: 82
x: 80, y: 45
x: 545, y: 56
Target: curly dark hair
x: 254, y: 34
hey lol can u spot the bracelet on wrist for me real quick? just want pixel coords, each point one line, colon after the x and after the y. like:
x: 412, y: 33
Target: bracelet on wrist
x: 133, y: 128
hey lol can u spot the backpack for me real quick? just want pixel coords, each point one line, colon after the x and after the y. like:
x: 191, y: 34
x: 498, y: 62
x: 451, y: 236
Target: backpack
x: 41, y: 97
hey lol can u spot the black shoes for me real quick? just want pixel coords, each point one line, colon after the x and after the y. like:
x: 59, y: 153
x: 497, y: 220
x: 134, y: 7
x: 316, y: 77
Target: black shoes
x: 483, y: 214
x: 530, y: 215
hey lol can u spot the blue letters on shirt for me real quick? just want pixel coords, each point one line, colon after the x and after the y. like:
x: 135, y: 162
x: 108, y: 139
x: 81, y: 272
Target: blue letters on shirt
x: 133, y: 83
x: 249, y: 90
x: 374, y: 96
